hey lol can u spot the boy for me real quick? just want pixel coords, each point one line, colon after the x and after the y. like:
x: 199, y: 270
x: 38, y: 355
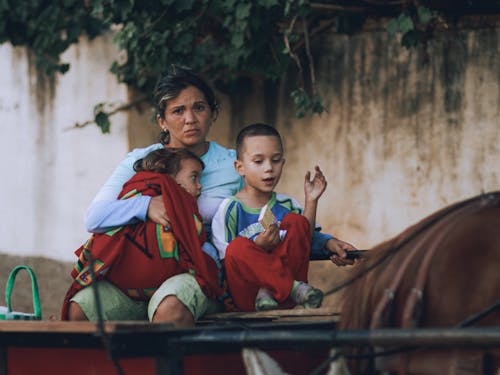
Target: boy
x: 132, y: 262
x: 265, y: 269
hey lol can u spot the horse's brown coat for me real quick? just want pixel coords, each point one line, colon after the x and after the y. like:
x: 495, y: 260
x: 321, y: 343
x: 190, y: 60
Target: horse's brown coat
x: 462, y: 278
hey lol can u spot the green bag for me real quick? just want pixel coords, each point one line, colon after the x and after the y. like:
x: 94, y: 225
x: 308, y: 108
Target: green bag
x: 6, y: 313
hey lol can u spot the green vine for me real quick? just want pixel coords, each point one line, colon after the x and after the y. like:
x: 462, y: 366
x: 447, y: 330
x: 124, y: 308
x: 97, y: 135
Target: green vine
x: 48, y: 28
x: 229, y: 41
x: 414, y: 25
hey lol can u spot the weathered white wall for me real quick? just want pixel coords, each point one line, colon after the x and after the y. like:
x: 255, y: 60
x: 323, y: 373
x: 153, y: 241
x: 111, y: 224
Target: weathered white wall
x: 51, y: 172
x: 406, y: 133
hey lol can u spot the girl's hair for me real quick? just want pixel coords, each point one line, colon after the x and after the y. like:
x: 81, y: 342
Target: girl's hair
x: 165, y: 160
x: 171, y: 84
x: 253, y: 130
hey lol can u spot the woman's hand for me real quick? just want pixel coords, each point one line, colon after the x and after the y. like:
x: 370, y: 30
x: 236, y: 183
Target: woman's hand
x: 157, y: 212
x: 269, y: 239
x: 338, y: 248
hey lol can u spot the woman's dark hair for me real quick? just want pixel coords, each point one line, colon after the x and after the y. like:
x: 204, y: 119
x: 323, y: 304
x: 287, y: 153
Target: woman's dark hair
x: 165, y: 160
x: 171, y: 84
x: 253, y: 130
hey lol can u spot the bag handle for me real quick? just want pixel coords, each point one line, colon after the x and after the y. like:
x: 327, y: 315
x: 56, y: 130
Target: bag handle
x: 34, y: 287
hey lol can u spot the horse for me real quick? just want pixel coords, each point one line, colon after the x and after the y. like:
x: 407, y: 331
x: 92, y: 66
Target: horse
x: 443, y: 271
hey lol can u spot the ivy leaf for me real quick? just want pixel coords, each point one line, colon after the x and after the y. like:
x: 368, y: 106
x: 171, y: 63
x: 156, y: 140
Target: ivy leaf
x: 4, y: 5
x: 304, y: 103
x: 243, y: 11
x: 228, y: 4
x: 393, y: 27
x: 412, y: 38
x: 268, y: 3
x: 237, y: 40
x: 102, y: 121
x: 425, y: 15
x: 63, y: 68
x: 405, y: 23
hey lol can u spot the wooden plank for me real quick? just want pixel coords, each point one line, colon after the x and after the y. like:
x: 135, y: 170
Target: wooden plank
x: 82, y: 327
x: 326, y: 313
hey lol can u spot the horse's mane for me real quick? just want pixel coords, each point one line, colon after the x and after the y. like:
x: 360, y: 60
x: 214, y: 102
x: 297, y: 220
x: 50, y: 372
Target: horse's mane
x: 356, y: 312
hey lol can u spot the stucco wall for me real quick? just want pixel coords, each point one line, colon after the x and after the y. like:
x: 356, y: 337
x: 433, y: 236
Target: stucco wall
x: 51, y: 172
x: 406, y: 133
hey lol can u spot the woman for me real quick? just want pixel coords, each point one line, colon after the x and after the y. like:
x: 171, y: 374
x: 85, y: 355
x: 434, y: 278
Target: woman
x: 186, y: 109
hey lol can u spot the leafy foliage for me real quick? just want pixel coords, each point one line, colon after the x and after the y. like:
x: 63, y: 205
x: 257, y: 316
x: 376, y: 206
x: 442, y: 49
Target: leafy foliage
x: 47, y: 27
x: 225, y: 39
x: 232, y: 42
x: 413, y: 25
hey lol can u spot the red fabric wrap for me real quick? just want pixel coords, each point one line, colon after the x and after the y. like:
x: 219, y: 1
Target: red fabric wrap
x: 131, y: 257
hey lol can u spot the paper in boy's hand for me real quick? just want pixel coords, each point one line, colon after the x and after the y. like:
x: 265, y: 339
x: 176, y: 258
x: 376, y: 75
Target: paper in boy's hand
x: 266, y: 217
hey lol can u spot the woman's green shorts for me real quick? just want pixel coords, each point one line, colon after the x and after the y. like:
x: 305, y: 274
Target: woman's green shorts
x: 115, y: 305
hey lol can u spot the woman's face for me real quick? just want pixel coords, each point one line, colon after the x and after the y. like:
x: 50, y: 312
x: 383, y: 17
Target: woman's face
x: 187, y: 118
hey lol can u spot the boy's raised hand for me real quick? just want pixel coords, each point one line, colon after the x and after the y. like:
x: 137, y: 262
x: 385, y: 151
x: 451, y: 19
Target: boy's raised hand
x: 269, y: 239
x: 314, y: 188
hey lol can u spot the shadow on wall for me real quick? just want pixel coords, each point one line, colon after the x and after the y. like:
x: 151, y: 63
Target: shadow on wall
x: 53, y: 279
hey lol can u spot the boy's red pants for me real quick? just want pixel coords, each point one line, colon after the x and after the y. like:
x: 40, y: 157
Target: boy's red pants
x: 250, y: 267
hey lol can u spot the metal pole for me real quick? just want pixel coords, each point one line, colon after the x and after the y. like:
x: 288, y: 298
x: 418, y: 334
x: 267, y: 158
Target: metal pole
x: 422, y: 337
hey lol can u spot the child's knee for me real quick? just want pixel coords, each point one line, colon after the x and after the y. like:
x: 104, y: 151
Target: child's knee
x: 237, y: 246
x: 296, y: 221
x: 75, y: 312
x: 172, y: 310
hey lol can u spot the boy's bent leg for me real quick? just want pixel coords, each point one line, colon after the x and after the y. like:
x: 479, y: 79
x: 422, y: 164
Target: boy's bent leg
x: 249, y: 267
x: 179, y: 300
x: 297, y: 244
x: 114, y: 304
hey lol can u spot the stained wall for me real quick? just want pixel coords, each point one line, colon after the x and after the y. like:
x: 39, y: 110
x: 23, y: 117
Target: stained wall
x: 405, y: 133
x: 51, y: 170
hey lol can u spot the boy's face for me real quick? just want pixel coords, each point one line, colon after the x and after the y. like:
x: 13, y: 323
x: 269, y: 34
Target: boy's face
x: 189, y: 176
x: 261, y: 162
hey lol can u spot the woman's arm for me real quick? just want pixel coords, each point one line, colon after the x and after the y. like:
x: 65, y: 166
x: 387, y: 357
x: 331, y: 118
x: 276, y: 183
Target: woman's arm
x: 106, y: 211
x: 104, y: 215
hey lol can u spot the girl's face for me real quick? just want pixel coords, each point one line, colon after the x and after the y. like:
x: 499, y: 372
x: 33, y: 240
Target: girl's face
x: 261, y: 162
x: 188, y: 118
x: 189, y: 176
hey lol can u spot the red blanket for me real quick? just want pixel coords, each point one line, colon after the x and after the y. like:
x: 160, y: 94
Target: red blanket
x: 139, y: 258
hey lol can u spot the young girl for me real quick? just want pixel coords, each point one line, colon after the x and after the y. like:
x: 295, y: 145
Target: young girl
x: 132, y: 262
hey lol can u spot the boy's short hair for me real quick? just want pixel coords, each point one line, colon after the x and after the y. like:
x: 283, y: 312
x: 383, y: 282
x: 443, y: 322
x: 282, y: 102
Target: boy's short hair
x: 165, y: 160
x: 254, y: 130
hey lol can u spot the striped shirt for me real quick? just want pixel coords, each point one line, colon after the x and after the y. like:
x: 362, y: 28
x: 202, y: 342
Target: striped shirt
x: 235, y: 219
